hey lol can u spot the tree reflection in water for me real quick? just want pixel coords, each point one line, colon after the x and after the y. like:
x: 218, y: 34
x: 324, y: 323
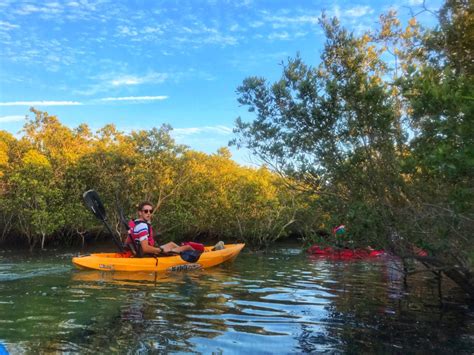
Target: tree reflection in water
x: 365, y: 317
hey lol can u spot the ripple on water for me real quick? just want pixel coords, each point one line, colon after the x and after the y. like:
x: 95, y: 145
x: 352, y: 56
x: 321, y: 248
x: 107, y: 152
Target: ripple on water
x: 12, y: 272
x: 281, y: 302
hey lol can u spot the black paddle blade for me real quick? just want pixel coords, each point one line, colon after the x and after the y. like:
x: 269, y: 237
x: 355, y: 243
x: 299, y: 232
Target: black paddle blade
x: 93, y: 202
x: 191, y: 256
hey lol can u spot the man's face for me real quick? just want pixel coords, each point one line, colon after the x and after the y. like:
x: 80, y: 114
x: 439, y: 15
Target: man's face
x: 145, y: 213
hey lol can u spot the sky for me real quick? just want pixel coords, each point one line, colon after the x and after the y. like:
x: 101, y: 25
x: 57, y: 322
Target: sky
x: 143, y: 63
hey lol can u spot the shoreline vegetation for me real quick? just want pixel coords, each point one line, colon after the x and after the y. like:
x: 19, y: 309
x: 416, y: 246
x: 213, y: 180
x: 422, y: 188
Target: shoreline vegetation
x: 197, y: 195
x: 378, y: 136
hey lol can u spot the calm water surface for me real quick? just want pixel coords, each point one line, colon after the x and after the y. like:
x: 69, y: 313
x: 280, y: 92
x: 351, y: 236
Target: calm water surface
x: 282, y: 301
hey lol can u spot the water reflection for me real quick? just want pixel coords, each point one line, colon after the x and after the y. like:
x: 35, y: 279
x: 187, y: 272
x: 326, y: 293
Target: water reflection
x: 122, y: 278
x: 278, y: 302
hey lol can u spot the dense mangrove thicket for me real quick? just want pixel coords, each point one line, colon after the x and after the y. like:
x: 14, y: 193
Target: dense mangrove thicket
x: 383, y: 131
x: 45, y: 172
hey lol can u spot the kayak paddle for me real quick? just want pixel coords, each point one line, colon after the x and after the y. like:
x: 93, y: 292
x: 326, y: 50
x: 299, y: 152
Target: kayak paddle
x: 95, y: 205
x: 124, y: 222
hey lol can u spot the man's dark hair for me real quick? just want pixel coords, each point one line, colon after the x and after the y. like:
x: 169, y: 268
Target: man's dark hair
x: 143, y: 204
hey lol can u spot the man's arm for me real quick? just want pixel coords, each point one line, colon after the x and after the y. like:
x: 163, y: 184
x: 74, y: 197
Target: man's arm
x: 148, y: 249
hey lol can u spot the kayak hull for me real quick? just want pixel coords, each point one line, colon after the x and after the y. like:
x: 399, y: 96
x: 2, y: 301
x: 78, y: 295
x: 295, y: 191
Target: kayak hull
x: 344, y: 254
x: 117, y: 262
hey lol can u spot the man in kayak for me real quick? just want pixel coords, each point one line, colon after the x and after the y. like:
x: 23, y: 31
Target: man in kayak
x: 142, y: 233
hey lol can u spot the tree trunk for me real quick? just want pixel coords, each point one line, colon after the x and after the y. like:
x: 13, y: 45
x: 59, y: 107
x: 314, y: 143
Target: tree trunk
x: 31, y: 242
x: 461, y: 276
x: 81, y: 234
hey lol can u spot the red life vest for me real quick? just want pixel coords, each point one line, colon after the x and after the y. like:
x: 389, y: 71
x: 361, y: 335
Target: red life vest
x: 133, y: 242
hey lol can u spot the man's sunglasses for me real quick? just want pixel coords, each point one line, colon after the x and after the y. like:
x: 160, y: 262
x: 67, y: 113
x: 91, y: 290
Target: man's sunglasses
x: 147, y: 211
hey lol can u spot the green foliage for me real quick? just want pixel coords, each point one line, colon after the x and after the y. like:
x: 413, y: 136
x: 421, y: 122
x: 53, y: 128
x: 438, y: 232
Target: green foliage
x: 389, y: 149
x: 438, y: 90
x: 45, y: 173
x: 333, y: 127
x: 223, y: 200
x: 35, y: 198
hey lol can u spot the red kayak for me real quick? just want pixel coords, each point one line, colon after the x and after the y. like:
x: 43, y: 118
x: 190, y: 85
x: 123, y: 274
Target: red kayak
x: 344, y: 253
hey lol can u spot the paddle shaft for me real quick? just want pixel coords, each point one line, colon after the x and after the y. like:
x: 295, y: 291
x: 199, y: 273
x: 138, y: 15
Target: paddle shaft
x: 95, y: 205
x: 116, y: 239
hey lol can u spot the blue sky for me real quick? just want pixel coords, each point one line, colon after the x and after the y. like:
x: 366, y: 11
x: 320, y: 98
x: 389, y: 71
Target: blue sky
x: 139, y: 64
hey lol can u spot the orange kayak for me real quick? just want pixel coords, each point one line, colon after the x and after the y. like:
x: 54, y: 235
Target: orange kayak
x: 118, y: 262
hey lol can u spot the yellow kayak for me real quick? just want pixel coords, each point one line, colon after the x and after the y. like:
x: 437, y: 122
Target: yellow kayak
x: 116, y: 262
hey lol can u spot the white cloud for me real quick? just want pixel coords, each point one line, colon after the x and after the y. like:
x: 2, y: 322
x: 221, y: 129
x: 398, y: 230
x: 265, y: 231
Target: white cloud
x: 6, y: 26
x: 334, y: 12
x: 13, y: 118
x: 256, y: 24
x: 41, y: 103
x: 186, y: 131
x: 134, y: 98
x: 279, y: 36
x: 153, y: 29
x: 106, y: 82
x: 359, y: 11
x: 223, y: 40
x: 219, y: 129
x: 285, y: 20
x: 126, y: 81
x: 127, y: 31
x: 415, y: 2
x: 52, y: 8
x: 136, y: 80
x: 28, y: 9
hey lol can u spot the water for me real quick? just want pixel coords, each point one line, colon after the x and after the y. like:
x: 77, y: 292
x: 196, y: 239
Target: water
x: 282, y: 301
